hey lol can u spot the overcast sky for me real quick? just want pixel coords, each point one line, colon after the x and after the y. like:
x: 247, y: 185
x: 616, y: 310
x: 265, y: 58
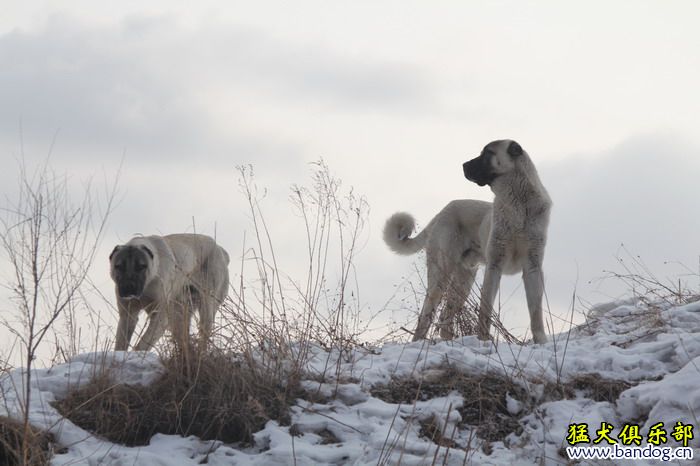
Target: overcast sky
x: 394, y: 95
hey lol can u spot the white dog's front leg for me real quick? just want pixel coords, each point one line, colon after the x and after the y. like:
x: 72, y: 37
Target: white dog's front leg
x: 533, y: 279
x: 492, y: 280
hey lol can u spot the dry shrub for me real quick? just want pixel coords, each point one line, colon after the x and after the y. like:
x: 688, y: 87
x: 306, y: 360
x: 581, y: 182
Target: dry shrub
x: 484, y: 396
x: 12, y: 440
x: 209, y: 394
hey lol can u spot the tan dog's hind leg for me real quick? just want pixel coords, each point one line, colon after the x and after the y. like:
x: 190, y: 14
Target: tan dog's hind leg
x: 207, y: 309
x: 181, y: 314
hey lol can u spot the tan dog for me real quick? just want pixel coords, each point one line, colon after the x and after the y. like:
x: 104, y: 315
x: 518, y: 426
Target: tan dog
x: 518, y: 233
x: 168, y: 276
x: 454, y: 247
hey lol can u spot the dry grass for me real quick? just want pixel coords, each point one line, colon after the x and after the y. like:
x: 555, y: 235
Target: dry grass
x: 594, y: 386
x: 13, y: 440
x: 432, y: 429
x: 589, y: 385
x: 485, y: 406
x: 484, y: 396
x: 212, y: 396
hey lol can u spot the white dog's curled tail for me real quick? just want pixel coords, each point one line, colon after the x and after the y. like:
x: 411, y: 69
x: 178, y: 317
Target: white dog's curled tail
x: 397, y: 232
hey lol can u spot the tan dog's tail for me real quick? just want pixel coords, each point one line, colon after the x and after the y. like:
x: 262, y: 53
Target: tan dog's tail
x: 397, y: 232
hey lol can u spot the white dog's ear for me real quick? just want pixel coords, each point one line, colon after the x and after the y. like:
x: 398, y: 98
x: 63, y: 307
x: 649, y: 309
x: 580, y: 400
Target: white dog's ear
x: 148, y: 251
x: 514, y: 149
x: 114, y: 251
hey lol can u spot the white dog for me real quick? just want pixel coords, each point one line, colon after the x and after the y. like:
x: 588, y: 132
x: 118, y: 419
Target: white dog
x: 518, y: 233
x: 168, y: 276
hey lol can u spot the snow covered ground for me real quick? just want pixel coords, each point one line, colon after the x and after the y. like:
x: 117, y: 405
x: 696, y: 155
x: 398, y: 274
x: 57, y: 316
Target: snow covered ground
x: 655, y: 348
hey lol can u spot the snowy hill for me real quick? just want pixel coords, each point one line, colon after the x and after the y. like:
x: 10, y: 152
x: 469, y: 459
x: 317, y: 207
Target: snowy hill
x: 449, y: 403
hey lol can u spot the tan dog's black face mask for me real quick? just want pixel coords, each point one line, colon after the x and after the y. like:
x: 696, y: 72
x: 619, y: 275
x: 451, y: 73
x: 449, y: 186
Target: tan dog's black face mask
x: 129, y: 269
x: 495, y: 159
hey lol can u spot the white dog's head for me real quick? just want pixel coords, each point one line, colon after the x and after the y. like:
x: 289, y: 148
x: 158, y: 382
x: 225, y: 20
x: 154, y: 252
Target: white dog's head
x: 496, y: 159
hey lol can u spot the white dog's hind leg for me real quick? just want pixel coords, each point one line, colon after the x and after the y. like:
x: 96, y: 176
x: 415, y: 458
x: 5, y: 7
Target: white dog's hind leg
x: 436, y: 281
x: 432, y: 299
x: 457, y: 293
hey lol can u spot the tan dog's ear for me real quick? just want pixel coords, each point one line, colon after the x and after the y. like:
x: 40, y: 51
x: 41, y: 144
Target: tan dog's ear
x: 148, y: 251
x: 116, y: 248
x: 514, y: 149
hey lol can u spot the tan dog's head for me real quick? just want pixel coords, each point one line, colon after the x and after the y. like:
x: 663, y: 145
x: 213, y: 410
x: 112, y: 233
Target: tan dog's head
x: 131, y: 268
x: 496, y: 159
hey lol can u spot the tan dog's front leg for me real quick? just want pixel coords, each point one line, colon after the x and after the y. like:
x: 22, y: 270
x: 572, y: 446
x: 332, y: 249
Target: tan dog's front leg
x: 157, y: 323
x: 128, y: 319
x: 180, y: 323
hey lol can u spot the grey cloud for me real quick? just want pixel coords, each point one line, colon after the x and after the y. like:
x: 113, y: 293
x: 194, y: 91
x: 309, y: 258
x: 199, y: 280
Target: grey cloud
x: 138, y: 84
x: 128, y: 86
x: 310, y: 75
x: 344, y: 82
